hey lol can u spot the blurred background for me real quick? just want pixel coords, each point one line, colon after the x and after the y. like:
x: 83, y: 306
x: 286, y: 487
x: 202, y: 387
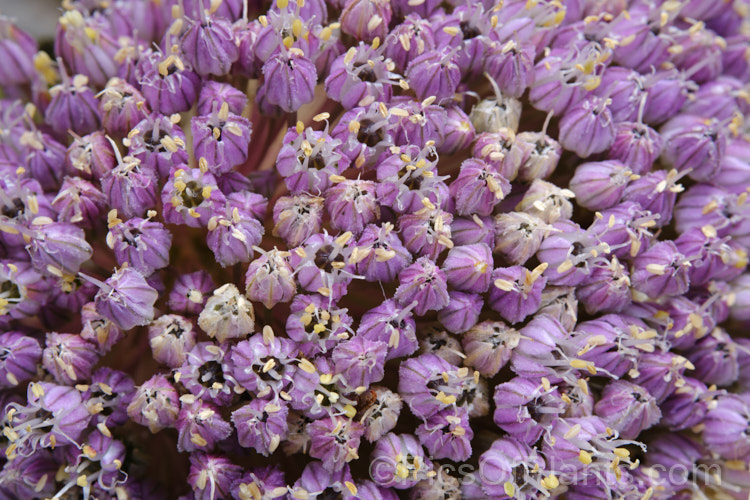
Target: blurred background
x: 38, y: 17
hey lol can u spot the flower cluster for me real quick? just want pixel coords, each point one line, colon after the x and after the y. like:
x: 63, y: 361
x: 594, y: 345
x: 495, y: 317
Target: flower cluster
x: 317, y: 249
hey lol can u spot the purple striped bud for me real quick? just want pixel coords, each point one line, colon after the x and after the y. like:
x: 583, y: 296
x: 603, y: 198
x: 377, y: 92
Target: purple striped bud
x: 297, y: 75
x: 478, y: 188
x: 73, y: 107
x: 511, y: 66
x: 208, y: 46
x: 462, y: 311
x: 695, y: 145
x: 627, y: 408
x: 168, y: 86
x: 715, y: 359
x: 190, y: 292
x: 366, y: 19
x: 214, y: 94
x: 126, y: 299
x: 726, y: 427
x: 434, y: 74
x: 660, y: 271
x: 459, y: 132
x: 20, y: 358
x: 588, y: 127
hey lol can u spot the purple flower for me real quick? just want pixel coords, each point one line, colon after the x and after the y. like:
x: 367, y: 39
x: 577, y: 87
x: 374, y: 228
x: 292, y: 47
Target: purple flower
x: 121, y: 107
x: 142, y: 243
x: 171, y: 337
x: 222, y: 138
x: 434, y: 74
x: 427, y: 391
x: 462, y: 311
x: 726, y: 425
x: 207, y: 375
x: 155, y: 404
x: 424, y: 283
x: 366, y: 19
x: 307, y: 161
x: 207, y: 45
x: 58, y: 248
x: 261, y: 425
x: 334, y: 440
x: 126, y: 299
x: 269, y: 278
x: 447, y: 434
x: 190, y: 292
x: 297, y: 75
x: 352, y: 205
x: 517, y: 292
x: 511, y: 468
x: 21, y: 355
x: 599, y: 185
x: 73, y: 107
x: 627, y: 408
x: 526, y: 408
x: 353, y: 81
x: 661, y: 270
x: 478, y: 188
x: 191, y: 197
x: 297, y: 217
x: 316, y: 323
x: 380, y: 255
x: 398, y: 461
x: 262, y: 364
x: 53, y: 416
x: 68, y: 357
x: 211, y: 476
x: 199, y: 425
x: 488, y: 346
x: 392, y: 324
